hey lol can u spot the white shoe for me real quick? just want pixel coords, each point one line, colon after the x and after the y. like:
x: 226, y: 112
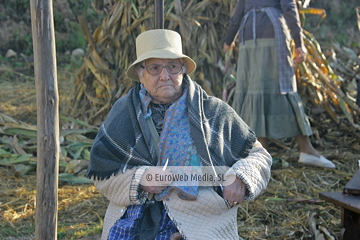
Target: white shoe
x: 315, y: 161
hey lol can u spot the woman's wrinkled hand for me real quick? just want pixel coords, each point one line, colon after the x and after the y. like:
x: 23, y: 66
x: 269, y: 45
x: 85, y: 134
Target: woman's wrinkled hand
x: 300, y: 55
x: 155, y: 180
x: 234, y: 192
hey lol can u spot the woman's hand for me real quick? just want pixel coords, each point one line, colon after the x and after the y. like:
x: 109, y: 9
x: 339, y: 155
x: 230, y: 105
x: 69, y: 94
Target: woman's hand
x: 235, y: 192
x: 155, y: 180
x: 300, y: 55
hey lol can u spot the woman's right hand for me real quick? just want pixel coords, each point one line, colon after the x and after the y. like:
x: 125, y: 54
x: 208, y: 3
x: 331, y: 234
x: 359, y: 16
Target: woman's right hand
x: 155, y: 180
x: 300, y: 54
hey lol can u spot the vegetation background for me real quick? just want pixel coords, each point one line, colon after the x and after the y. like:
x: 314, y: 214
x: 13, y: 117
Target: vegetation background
x: 289, y: 209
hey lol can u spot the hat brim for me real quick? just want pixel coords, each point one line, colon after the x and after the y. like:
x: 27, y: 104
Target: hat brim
x: 165, y: 53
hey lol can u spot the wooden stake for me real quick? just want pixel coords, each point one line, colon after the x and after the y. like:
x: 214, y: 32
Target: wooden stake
x: 47, y: 119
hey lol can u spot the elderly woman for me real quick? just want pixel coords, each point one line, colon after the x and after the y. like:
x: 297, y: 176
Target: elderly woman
x: 168, y: 119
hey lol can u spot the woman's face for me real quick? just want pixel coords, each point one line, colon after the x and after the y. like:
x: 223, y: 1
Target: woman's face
x: 162, y: 85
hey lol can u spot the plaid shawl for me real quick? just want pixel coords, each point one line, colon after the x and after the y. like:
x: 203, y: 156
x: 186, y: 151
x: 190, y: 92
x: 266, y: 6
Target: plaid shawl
x: 124, y: 141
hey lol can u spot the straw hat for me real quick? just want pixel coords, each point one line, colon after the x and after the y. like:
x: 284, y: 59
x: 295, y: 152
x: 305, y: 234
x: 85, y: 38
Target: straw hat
x: 159, y: 43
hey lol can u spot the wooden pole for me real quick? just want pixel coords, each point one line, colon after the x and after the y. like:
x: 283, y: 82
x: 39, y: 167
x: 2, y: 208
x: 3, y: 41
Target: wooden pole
x: 47, y: 119
x: 159, y: 14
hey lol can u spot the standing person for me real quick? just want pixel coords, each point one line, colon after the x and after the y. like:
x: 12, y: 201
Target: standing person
x: 266, y: 96
x: 168, y: 119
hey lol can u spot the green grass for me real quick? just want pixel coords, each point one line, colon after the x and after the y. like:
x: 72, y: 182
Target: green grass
x: 8, y: 230
x: 79, y: 231
x: 63, y: 232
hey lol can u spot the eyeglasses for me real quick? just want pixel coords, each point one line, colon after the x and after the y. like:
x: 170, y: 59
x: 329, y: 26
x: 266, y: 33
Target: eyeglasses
x: 156, y: 69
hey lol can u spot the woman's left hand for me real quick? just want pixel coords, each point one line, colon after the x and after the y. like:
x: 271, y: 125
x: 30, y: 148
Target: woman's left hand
x: 235, y: 192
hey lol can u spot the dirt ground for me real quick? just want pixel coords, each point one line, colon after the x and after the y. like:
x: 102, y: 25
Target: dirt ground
x: 287, y: 209
x: 290, y: 207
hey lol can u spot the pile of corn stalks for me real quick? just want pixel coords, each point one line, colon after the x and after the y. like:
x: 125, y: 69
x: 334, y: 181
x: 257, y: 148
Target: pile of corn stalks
x: 202, y: 24
x: 322, y: 88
